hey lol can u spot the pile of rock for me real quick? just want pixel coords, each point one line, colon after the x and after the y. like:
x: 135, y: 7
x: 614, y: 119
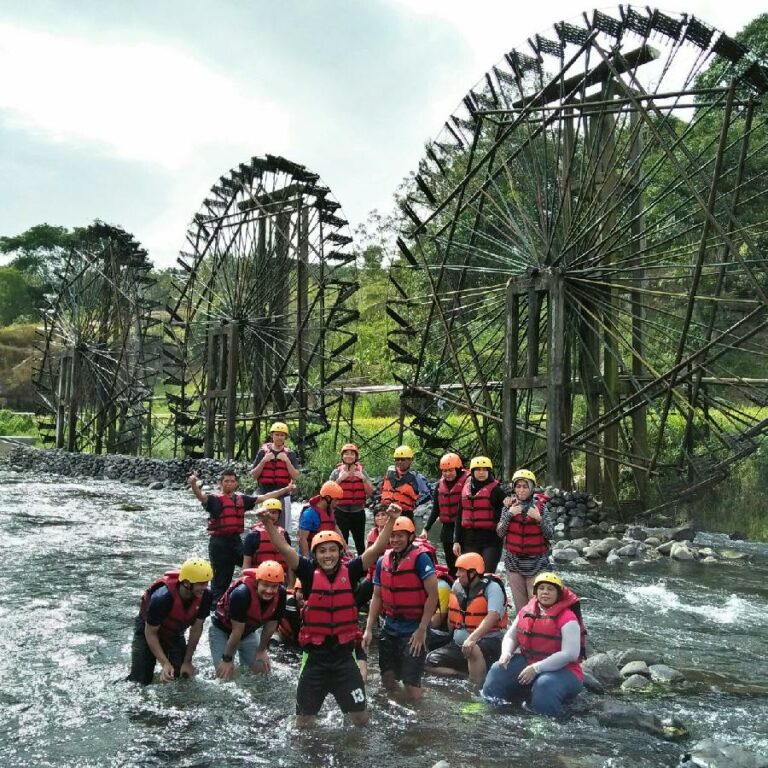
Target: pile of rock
x: 634, y: 669
x: 640, y: 545
x: 153, y: 474
x: 577, y: 513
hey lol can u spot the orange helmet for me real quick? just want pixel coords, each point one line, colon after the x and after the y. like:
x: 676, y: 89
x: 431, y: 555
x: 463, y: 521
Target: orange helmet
x: 331, y: 489
x: 450, y: 461
x: 471, y: 562
x: 270, y: 570
x: 324, y: 537
x: 404, y: 524
x: 350, y: 447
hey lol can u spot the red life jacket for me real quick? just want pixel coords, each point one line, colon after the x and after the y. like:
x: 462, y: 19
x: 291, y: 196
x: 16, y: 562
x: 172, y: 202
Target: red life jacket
x: 467, y: 611
x: 330, y: 610
x: 266, y: 549
x: 448, y: 499
x: 442, y: 572
x: 538, y: 634
x: 258, y: 612
x: 402, y: 591
x: 274, y: 472
x: 477, y: 511
x: 327, y: 518
x: 181, y: 616
x: 286, y: 627
x: 524, y: 535
x: 373, y: 534
x: 232, y: 518
x: 354, y: 490
x: 400, y: 489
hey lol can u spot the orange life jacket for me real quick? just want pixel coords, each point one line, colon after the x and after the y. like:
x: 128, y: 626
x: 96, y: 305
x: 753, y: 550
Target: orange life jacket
x: 402, y: 591
x: 330, y: 610
x: 181, y: 616
x: 401, y: 489
x: 467, y: 611
x: 232, y: 518
x: 476, y: 510
x: 448, y: 499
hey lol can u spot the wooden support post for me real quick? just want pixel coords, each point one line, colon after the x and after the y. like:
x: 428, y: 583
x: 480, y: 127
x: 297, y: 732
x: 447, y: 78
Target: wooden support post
x: 302, y: 309
x: 509, y: 394
x: 555, y: 376
x: 73, y: 400
x: 231, y: 390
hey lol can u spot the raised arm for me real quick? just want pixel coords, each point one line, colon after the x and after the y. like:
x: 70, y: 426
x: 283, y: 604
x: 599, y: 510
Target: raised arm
x: 377, y: 549
x: 192, y: 482
x: 278, y: 542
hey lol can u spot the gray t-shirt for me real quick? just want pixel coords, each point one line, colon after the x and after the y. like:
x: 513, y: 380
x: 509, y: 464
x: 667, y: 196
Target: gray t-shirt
x: 494, y: 594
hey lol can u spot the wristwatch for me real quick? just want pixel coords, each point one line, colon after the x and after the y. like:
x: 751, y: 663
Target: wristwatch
x: 226, y: 657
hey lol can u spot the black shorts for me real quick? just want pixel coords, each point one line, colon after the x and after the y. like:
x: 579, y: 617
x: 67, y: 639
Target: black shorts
x: 450, y: 655
x: 333, y: 672
x: 395, y: 656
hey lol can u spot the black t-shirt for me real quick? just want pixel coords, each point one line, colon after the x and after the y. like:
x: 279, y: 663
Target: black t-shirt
x: 213, y: 503
x: 253, y: 539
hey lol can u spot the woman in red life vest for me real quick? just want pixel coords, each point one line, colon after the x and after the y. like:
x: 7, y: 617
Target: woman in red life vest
x: 481, y: 503
x: 275, y: 466
x: 330, y: 630
x: 176, y: 601
x: 446, y: 504
x: 525, y: 529
x: 542, y: 650
x: 357, y: 487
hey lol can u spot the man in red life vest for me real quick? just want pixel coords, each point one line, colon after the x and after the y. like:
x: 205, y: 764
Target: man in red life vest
x: 400, y: 485
x: 477, y: 616
x: 275, y: 466
x: 257, y: 547
x: 330, y: 629
x: 357, y: 487
x: 176, y: 601
x: 226, y: 522
x: 446, y: 504
x: 319, y: 515
x: 256, y: 601
x: 405, y: 591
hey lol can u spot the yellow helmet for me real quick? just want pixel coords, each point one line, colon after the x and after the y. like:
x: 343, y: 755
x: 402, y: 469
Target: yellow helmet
x: 273, y: 504
x: 524, y: 474
x: 548, y: 578
x: 279, y: 426
x: 450, y: 461
x: 404, y: 523
x: 480, y: 462
x: 270, y: 570
x: 403, y: 452
x: 196, y: 571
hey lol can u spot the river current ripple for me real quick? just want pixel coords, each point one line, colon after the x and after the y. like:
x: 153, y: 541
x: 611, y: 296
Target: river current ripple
x: 76, y: 556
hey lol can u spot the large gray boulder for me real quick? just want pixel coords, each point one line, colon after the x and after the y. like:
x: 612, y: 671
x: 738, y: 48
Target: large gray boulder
x: 645, y: 655
x: 604, y: 546
x: 684, y: 532
x: 714, y: 753
x: 564, y: 555
x: 635, y: 683
x: 635, y: 668
x: 661, y: 673
x: 602, y: 667
x: 681, y: 551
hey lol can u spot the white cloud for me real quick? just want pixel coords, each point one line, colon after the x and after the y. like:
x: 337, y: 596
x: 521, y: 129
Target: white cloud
x: 140, y: 101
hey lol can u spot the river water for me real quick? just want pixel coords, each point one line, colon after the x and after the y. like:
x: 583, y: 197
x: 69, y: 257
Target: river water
x: 77, y: 555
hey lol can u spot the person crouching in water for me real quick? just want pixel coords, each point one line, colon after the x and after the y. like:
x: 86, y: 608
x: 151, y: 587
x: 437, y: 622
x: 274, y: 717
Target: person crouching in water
x: 526, y: 530
x: 405, y: 591
x: 482, y: 501
x: 330, y: 628
x: 255, y: 601
x: 477, y: 616
x: 176, y: 601
x: 542, y: 650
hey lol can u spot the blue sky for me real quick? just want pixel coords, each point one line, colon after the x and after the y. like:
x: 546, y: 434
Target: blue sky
x: 129, y: 112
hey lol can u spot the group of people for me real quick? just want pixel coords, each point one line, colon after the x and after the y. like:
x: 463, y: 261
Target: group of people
x: 446, y: 618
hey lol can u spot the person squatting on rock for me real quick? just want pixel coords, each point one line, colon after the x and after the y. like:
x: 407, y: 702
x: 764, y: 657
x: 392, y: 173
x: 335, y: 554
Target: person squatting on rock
x: 405, y: 592
x: 176, y: 601
x: 226, y: 522
x: 357, y: 487
x: 446, y: 505
x: 477, y: 616
x: 542, y: 650
x: 330, y: 628
x: 246, y: 618
x: 526, y: 531
x: 276, y: 466
x: 479, y: 512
